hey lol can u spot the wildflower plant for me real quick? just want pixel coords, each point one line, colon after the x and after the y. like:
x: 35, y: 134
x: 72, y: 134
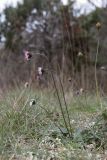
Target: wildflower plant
x: 67, y: 124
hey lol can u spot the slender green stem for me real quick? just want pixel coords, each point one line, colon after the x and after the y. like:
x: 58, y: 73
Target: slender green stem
x: 96, y: 60
x: 66, y: 106
x: 18, y: 99
x: 60, y: 104
x: 96, y: 80
x: 55, y: 86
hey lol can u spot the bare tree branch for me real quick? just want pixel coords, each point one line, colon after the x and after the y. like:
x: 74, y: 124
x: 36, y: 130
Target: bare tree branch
x: 92, y: 3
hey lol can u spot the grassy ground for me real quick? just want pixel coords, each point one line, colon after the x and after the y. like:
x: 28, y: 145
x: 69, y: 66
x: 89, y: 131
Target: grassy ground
x: 34, y: 132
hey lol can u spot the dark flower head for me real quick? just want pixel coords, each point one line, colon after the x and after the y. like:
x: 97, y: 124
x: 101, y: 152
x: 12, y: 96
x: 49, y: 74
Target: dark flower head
x: 69, y: 79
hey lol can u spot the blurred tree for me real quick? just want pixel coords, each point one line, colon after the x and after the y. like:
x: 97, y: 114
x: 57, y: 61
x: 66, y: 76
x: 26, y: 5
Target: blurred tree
x: 45, y: 26
x: 15, y: 22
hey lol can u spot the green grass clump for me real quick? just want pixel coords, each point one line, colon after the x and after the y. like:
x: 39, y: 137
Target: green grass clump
x: 38, y: 130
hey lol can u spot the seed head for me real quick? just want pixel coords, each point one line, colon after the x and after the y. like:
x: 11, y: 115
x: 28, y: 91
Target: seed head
x: 26, y: 85
x: 32, y: 102
x: 98, y: 25
x: 81, y: 90
x: 40, y: 71
x: 103, y: 68
x: 80, y: 54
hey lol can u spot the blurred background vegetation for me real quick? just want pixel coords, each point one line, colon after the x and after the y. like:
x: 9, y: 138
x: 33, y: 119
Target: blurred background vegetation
x: 51, y: 28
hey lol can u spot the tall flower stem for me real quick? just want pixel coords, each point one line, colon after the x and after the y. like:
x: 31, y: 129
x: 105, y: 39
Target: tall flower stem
x: 60, y: 105
x: 96, y: 80
x: 96, y: 60
x: 57, y: 92
x: 66, y: 106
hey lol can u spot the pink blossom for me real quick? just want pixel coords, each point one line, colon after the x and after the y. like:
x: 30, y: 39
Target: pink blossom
x: 27, y: 55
